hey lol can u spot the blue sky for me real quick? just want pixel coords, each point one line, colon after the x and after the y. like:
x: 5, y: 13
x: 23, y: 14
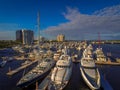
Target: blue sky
x: 77, y: 19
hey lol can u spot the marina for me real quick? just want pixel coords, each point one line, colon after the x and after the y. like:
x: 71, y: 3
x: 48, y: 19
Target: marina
x: 59, y: 45
x: 76, y: 74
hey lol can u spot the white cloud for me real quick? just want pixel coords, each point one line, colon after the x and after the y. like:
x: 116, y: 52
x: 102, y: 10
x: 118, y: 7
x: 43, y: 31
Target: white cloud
x: 109, y: 11
x: 83, y: 26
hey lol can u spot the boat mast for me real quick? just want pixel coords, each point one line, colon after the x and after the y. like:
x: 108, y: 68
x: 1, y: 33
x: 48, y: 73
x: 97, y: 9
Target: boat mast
x: 38, y: 21
x: 99, y: 39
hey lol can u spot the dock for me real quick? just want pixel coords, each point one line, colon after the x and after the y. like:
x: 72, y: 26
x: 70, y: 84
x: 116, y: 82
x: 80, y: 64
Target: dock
x: 107, y: 63
x: 10, y: 73
x: 99, y: 62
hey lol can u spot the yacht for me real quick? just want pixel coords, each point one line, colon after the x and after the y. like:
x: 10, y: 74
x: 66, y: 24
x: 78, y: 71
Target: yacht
x: 39, y: 72
x: 90, y: 73
x: 100, y: 55
x: 61, y: 73
x: 87, y: 53
x: 90, y: 47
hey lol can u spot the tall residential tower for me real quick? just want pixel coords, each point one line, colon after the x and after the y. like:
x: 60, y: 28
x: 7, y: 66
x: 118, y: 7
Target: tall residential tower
x: 25, y: 36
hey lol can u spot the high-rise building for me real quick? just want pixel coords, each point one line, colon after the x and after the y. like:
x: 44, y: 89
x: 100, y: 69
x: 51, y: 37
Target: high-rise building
x: 26, y: 36
x: 61, y: 38
x: 19, y: 35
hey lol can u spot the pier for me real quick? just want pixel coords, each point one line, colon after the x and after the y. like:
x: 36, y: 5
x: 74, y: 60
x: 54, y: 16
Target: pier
x: 10, y: 73
x: 99, y: 62
x: 107, y: 63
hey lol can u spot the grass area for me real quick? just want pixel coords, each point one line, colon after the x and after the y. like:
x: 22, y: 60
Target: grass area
x: 8, y: 43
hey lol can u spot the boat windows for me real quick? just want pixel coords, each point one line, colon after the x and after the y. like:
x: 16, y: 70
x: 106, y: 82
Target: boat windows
x: 63, y: 66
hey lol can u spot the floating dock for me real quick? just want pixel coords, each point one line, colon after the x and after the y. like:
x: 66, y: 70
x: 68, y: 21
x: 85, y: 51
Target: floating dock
x: 107, y: 63
x: 10, y: 73
x: 100, y: 62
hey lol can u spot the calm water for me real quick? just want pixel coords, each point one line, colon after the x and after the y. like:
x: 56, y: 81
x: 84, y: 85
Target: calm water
x: 111, y: 73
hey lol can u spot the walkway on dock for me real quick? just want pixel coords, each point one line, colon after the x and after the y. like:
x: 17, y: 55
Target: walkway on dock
x: 10, y: 73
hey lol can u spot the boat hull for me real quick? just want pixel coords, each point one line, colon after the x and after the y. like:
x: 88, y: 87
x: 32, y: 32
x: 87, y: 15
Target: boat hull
x: 61, y: 86
x: 32, y: 81
x: 87, y: 81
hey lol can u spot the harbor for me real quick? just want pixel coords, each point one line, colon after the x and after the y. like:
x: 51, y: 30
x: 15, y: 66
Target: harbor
x: 59, y: 45
x: 76, y: 80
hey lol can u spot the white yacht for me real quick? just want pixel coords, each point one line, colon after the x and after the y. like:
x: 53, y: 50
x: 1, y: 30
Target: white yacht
x: 61, y: 73
x: 90, y: 73
x: 90, y: 47
x: 87, y: 53
x: 40, y: 71
x: 100, y: 55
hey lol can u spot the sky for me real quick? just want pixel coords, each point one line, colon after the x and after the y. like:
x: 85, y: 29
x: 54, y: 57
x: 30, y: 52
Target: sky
x: 76, y: 19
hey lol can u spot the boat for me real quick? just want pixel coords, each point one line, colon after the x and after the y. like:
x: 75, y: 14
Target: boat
x: 61, y: 73
x: 90, y: 47
x: 100, y: 55
x: 2, y: 64
x: 118, y: 60
x: 90, y: 73
x: 39, y: 72
x: 87, y: 53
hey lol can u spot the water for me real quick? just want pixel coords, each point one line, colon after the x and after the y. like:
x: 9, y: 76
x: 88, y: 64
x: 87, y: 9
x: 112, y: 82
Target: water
x: 111, y: 73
